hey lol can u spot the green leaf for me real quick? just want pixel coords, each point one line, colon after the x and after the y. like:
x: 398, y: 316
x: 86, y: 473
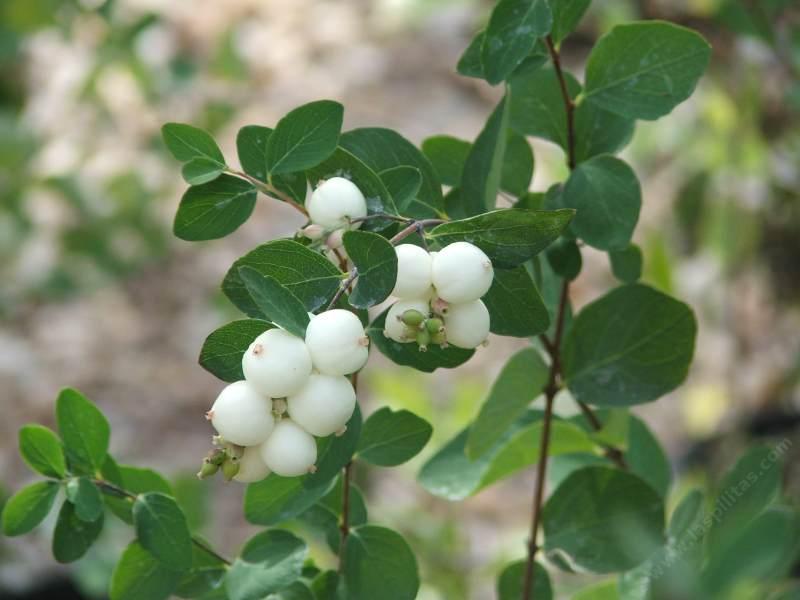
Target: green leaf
x: 383, y: 149
x: 327, y: 586
x: 305, y: 137
x: 379, y: 564
x: 224, y: 348
x: 626, y: 264
x: 509, y: 236
x: 206, y: 577
x: 86, y: 497
x: 376, y: 261
x: 646, y: 457
x: 84, y: 430
x: 133, y: 479
x: 450, y: 474
x: 307, y: 274
x: 605, y: 590
x: 162, y: 530
x: 201, y: 170
x: 251, y: 146
x: 277, y: 499
x: 74, y: 536
x: 391, y: 438
x: 470, y: 63
x: 325, y: 516
x: 598, y: 131
x: 513, y: 28
x: 269, y: 562
x: 746, y: 490
x: 28, y: 507
x: 139, y: 575
x: 517, y: 165
x: 566, y: 16
x: 344, y: 163
x: 409, y: 354
x: 275, y: 301
x: 447, y: 155
x: 607, y: 196
x: 41, y: 449
x: 514, y: 304
x: 643, y: 70
x: 603, y: 520
x: 480, y: 181
x: 565, y: 258
x: 403, y: 184
x: 629, y: 347
x: 187, y: 143
x: 511, y: 580
x: 215, y: 209
x: 522, y: 379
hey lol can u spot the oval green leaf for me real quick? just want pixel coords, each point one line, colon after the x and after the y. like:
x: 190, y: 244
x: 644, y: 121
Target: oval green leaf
x: 139, y: 575
x: 42, y: 451
x: 390, y: 438
x: 378, y: 563
x: 224, y: 348
x: 84, y: 431
x: 162, y: 530
x: 74, y: 536
x: 275, y: 301
x: 215, y: 209
x: 28, y: 507
x: 376, y: 261
x: 269, y: 562
x: 305, y: 137
x: 514, y: 304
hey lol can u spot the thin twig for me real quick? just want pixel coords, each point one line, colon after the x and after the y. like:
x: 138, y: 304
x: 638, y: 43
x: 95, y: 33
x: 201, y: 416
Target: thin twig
x: 115, y: 490
x: 351, y: 277
x: 347, y: 475
x: 414, y: 227
x: 569, y: 103
x: 614, y: 454
x: 386, y: 216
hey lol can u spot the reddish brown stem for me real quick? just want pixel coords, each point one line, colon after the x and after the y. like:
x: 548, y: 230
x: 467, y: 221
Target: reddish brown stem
x: 569, y: 103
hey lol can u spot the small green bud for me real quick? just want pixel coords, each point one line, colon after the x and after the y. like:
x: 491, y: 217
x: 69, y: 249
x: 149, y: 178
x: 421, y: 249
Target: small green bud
x: 230, y: 468
x: 423, y: 339
x: 439, y: 338
x: 434, y: 325
x: 412, y: 318
x: 207, y: 470
x: 216, y: 456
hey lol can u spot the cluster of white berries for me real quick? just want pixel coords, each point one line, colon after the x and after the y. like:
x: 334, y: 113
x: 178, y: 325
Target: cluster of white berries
x: 332, y: 207
x: 439, y: 296
x: 293, y: 390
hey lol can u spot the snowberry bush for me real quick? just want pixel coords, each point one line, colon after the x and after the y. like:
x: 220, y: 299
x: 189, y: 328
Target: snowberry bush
x: 420, y: 255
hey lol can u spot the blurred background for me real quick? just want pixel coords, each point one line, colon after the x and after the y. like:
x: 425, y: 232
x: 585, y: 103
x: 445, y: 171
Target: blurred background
x: 96, y: 293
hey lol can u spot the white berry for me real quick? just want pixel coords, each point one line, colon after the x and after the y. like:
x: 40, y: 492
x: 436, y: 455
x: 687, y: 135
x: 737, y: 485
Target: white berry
x: 461, y: 272
x: 290, y: 450
x: 277, y: 363
x: 394, y: 328
x: 324, y: 405
x: 241, y: 415
x: 467, y: 325
x: 335, y: 202
x: 413, y: 272
x: 337, y: 342
x: 251, y: 466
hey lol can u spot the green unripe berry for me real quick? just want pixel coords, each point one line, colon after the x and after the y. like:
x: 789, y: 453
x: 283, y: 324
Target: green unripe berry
x: 216, y: 457
x: 423, y: 339
x: 412, y: 318
x: 208, y: 469
x: 230, y: 468
x: 439, y: 338
x: 434, y: 325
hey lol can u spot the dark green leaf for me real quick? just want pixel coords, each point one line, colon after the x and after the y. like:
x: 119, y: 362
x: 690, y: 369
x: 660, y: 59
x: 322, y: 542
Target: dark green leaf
x: 522, y: 379
x: 201, y: 170
x: 537, y: 106
x: 605, y: 590
x: 215, y: 209
x: 470, y: 64
x: 410, y: 355
x: 74, y: 536
x: 480, y: 181
x: 517, y: 165
x: 42, y: 451
x: 643, y: 70
x: 275, y: 301
x: 513, y: 28
x: 28, y: 507
x: 509, y: 236
x: 403, y: 184
x: 327, y: 586
x: 86, y: 497
x: 251, y: 146
x: 135, y: 480
x: 325, y: 516
x: 566, y: 15
x: 344, y: 163
x: 223, y: 349
x: 305, y: 137
x: 269, y: 562
x: 606, y: 194
x: 447, y: 155
x: 630, y: 346
x: 626, y: 264
x: 646, y: 457
x: 391, y: 438
x: 598, y: 131
x: 383, y: 149
x: 379, y: 564
x: 514, y: 304
x: 603, y: 520
x: 84, y: 430
x: 511, y: 580
x: 565, y: 258
x: 376, y: 261
x: 307, y: 274
x: 186, y: 143
x: 277, y: 499
x: 138, y: 575
x: 162, y: 530
x: 206, y: 577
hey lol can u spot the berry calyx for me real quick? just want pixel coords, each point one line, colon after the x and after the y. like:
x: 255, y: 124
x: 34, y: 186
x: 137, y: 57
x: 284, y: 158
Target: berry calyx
x: 277, y: 363
x: 467, y: 324
x: 335, y: 202
x: 290, y: 450
x: 242, y: 415
x: 461, y: 272
x: 337, y: 342
x: 324, y: 405
x: 413, y: 272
